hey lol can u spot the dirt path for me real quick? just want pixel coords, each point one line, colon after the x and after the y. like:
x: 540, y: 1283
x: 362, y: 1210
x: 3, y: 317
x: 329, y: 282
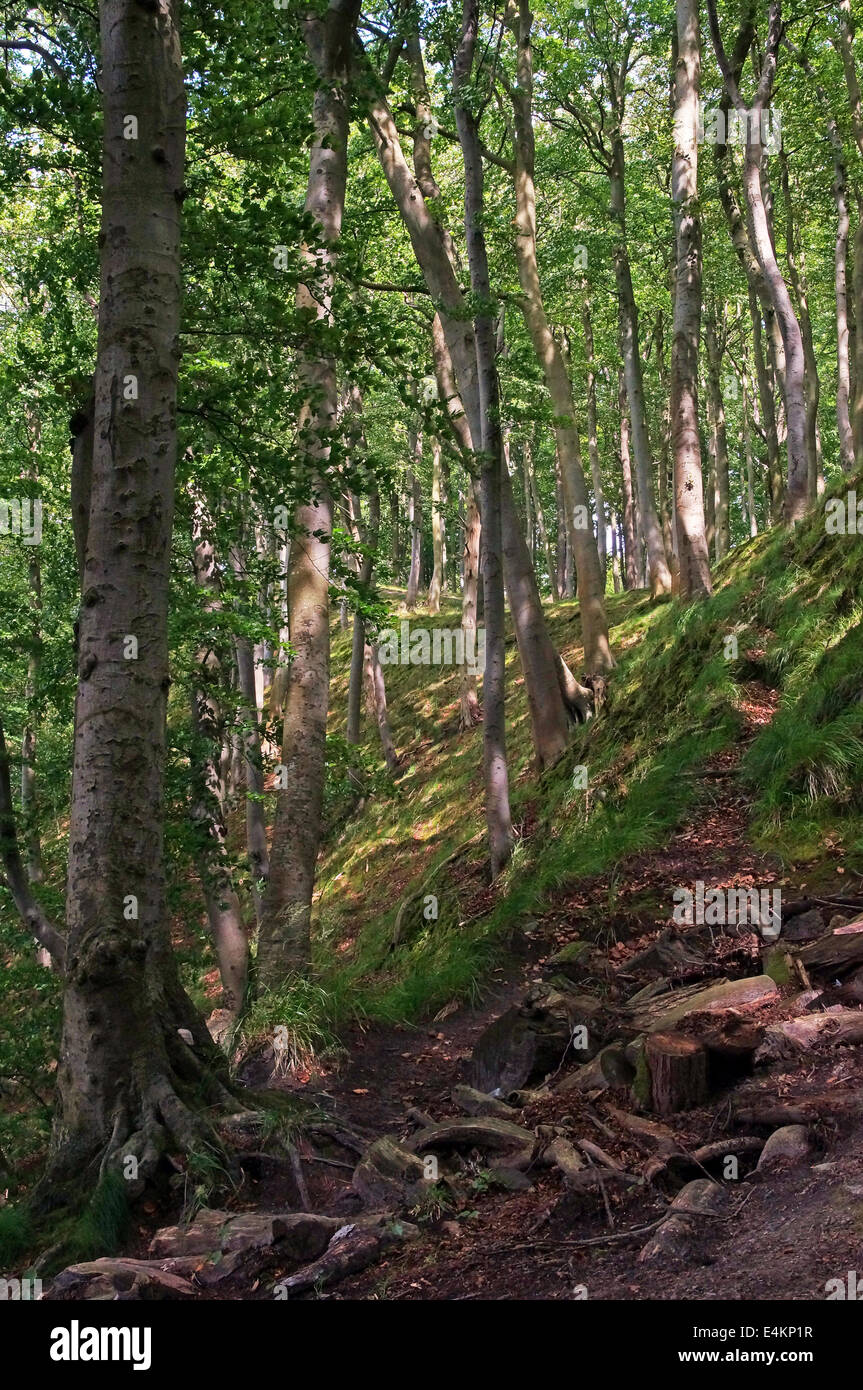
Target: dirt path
x: 786, y: 1235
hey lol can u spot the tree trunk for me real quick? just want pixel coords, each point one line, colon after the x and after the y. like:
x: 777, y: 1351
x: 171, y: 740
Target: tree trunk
x: 844, y: 42
x: 590, y: 578
x: 29, y: 909
x: 436, y: 584
x: 632, y: 546
x: 747, y: 444
x: 29, y: 808
x: 256, y: 829
x: 377, y: 696
x: 660, y: 574
x: 223, y: 906
x: 692, y: 545
x: 540, y: 521
x: 128, y: 1085
x: 495, y: 771
x: 415, y: 517
x: 796, y: 497
x: 470, y: 710
x: 284, y: 941
x: 367, y: 536
x: 593, y: 440
x: 796, y: 258
x: 549, y: 712
x: 720, y: 436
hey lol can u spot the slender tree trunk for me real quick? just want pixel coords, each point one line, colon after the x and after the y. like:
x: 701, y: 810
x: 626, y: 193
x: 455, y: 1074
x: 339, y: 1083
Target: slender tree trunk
x: 496, y: 776
x: 367, y: 535
x: 593, y: 439
x: 436, y: 584
x: 223, y: 906
x: 284, y: 946
x: 796, y: 259
x: 591, y: 588
x: 796, y: 497
x: 563, y: 576
x: 844, y: 42
x: 692, y: 546
x: 128, y: 1085
x: 29, y: 909
x: 540, y: 521
x: 660, y: 574
x: 415, y: 517
x: 377, y: 697
x: 29, y: 805
x: 549, y: 710
x: 843, y: 229
x: 395, y: 547
x: 630, y: 523
x: 615, y: 554
x: 256, y: 829
x: 470, y: 710
x: 720, y: 435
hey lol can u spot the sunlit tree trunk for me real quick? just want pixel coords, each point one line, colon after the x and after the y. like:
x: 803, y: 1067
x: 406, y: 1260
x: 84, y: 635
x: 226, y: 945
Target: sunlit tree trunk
x: 284, y: 944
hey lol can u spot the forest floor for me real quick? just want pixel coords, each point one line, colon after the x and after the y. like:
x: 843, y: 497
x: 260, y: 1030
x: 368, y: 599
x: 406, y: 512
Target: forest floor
x: 788, y: 1231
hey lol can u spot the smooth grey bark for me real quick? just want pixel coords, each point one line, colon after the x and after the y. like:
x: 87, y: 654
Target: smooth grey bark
x: 436, y: 581
x: 840, y: 274
x: 666, y: 468
x: 495, y: 772
x: 615, y: 553
x: 660, y: 573
x: 549, y: 712
x: 284, y: 945
x: 797, y: 489
x: 29, y: 807
x: 760, y: 301
x: 844, y: 43
x: 545, y: 541
x: 593, y: 438
x: 722, y: 517
x: 692, y: 553
x: 415, y: 516
x: 127, y: 1082
x: 598, y: 658
x: 564, y: 587
x: 207, y: 810
x: 366, y: 535
x: 470, y: 710
x: 377, y: 702
x: 29, y: 909
x: 751, y: 517
x: 796, y: 259
x: 631, y: 543
x: 256, y: 829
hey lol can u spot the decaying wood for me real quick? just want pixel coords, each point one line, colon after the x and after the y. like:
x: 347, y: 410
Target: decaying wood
x: 795, y: 1035
x: 678, y: 1072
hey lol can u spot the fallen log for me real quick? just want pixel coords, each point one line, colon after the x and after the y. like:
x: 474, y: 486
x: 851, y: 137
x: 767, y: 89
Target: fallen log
x: 796, y: 1035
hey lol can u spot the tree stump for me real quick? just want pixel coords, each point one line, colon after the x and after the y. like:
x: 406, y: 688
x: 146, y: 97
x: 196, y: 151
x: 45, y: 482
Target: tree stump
x: 678, y: 1072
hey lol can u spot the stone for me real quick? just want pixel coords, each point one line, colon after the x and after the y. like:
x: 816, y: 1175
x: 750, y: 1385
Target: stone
x: 806, y: 926
x: 388, y: 1174
x: 298, y: 1235
x: 530, y: 1039
x: 678, y: 1237
x: 608, y: 1070
x: 786, y: 1145
x: 121, y: 1280
x: 477, y: 1103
